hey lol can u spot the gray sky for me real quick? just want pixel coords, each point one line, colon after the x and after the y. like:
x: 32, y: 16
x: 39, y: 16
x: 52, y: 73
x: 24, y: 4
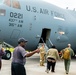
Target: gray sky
x: 63, y: 3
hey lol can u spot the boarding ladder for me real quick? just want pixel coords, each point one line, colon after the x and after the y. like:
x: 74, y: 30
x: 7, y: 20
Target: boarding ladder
x: 50, y: 42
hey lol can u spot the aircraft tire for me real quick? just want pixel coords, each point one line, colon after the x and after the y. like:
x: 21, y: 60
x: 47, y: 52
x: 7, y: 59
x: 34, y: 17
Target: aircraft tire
x: 7, y: 56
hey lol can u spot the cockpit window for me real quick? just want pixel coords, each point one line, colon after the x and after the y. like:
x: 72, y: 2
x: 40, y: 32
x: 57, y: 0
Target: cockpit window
x: 2, y: 12
x: 11, y: 3
x: 16, y: 4
x: 7, y: 2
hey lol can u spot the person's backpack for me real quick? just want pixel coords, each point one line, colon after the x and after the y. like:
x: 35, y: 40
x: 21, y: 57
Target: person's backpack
x: 66, y: 53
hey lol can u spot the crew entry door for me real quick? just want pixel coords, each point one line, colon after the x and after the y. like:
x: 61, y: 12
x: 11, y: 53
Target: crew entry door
x: 45, y: 35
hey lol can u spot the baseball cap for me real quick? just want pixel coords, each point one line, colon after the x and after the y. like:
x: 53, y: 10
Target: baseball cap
x: 69, y: 44
x: 22, y: 40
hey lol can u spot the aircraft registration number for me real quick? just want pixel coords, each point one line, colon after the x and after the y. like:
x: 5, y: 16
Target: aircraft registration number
x: 16, y: 15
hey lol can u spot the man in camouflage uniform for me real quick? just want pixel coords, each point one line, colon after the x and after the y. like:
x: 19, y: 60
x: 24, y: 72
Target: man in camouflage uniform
x: 42, y: 55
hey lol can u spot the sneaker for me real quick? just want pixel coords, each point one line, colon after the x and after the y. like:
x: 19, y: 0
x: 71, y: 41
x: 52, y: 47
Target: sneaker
x: 66, y: 73
x: 52, y: 71
x: 47, y: 71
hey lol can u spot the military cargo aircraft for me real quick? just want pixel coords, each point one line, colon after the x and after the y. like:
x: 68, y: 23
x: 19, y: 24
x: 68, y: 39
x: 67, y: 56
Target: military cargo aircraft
x: 38, y: 22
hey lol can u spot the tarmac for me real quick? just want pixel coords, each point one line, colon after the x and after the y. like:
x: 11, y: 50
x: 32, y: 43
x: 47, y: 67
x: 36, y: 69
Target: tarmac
x: 33, y: 67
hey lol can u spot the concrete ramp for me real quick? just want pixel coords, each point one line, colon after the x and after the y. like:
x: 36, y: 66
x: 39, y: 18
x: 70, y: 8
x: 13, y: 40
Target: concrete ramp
x: 33, y: 68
